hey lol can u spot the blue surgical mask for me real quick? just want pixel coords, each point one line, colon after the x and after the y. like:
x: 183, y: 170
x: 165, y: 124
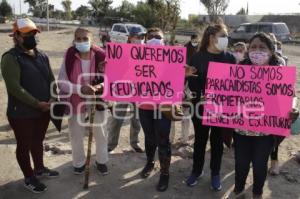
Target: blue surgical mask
x: 83, y: 47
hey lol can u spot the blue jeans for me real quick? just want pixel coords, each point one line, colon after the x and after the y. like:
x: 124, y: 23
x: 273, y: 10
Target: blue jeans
x: 157, y: 132
x: 114, y: 126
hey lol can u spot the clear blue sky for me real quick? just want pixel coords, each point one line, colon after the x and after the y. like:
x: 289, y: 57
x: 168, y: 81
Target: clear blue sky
x: 194, y: 6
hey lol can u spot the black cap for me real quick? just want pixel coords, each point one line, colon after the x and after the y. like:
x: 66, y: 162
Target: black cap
x: 135, y: 31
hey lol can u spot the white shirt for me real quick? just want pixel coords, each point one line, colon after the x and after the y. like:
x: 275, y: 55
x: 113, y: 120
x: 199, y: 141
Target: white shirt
x: 66, y: 85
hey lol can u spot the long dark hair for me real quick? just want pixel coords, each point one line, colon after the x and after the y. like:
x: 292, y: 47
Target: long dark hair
x: 210, y: 30
x: 263, y: 37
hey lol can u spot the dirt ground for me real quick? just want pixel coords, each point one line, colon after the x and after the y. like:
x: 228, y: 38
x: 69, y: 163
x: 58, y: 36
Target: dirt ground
x: 124, y: 182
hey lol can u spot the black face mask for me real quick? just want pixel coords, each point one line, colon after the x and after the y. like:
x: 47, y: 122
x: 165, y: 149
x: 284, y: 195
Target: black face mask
x: 29, y: 43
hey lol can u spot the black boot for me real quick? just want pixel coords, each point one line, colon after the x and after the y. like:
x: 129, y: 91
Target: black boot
x: 147, y: 170
x: 163, y: 183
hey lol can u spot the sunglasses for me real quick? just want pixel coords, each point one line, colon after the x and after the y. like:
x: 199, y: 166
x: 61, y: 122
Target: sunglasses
x: 155, y: 37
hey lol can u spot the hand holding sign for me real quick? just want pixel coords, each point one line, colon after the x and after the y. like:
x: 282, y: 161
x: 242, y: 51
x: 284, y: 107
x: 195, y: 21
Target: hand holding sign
x: 190, y: 71
x: 88, y: 90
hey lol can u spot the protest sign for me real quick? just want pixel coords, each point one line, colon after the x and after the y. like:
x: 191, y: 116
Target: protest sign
x: 141, y: 73
x: 253, y: 98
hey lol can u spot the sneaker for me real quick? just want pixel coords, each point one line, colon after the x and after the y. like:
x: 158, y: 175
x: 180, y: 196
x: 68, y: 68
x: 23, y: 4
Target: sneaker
x: 34, y: 185
x: 163, y: 183
x: 102, y: 168
x: 192, y: 180
x: 47, y: 172
x: 216, y: 183
x: 147, y: 170
x: 79, y: 170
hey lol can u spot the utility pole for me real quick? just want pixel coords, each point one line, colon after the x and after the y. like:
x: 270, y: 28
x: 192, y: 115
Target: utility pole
x: 20, y: 3
x: 48, y: 28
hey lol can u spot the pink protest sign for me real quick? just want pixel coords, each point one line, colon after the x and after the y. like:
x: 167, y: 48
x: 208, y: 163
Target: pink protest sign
x: 141, y: 73
x: 253, y: 98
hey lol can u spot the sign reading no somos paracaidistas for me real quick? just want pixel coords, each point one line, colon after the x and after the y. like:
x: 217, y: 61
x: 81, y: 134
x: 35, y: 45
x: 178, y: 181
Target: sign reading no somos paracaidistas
x: 253, y: 98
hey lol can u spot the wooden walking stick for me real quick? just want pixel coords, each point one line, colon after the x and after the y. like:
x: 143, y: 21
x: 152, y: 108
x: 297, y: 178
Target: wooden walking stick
x: 89, y: 150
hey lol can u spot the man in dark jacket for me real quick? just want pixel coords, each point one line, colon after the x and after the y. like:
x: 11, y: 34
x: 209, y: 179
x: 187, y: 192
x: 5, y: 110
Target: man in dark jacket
x: 28, y: 78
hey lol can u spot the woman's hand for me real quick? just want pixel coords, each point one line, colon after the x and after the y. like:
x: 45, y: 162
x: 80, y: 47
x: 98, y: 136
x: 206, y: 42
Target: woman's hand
x: 294, y: 114
x: 99, y: 88
x: 190, y: 71
x: 88, y: 90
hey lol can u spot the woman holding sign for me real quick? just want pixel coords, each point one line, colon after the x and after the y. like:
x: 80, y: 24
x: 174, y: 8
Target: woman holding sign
x: 79, y: 81
x: 157, y: 130
x: 255, y: 147
x: 213, y: 48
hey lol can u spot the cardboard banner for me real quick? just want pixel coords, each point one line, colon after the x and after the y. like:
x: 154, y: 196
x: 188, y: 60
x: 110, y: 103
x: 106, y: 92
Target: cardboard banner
x: 252, y: 98
x: 141, y: 73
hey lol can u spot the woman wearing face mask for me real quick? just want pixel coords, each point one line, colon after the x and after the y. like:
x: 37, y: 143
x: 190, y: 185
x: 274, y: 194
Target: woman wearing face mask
x: 212, y: 49
x: 76, y: 80
x: 156, y: 130
x: 239, y: 51
x: 192, y: 47
x: 255, y: 147
x: 154, y: 37
x: 28, y: 78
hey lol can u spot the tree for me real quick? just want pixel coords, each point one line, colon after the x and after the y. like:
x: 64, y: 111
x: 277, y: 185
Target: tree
x: 164, y: 14
x: 242, y: 11
x: 144, y: 15
x: 126, y: 9
x: 174, y: 8
x: 5, y: 9
x: 38, y: 8
x: 215, y: 8
x: 68, y: 9
x: 100, y: 8
x: 151, y: 2
x: 82, y: 12
x: 57, y: 14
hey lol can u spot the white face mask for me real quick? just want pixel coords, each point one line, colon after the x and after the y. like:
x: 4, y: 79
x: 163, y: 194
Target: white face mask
x: 83, y: 47
x: 138, y: 41
x: 222, y: 43
x: 238, y: 56
x: 155, y: 42
x: 194, y: 44
x: 259, y: 58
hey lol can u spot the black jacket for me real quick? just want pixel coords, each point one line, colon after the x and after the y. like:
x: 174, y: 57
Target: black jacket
x: 201, y: 60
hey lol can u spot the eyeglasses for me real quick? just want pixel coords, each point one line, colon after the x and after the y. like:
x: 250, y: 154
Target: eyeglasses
x: 155, y: 37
